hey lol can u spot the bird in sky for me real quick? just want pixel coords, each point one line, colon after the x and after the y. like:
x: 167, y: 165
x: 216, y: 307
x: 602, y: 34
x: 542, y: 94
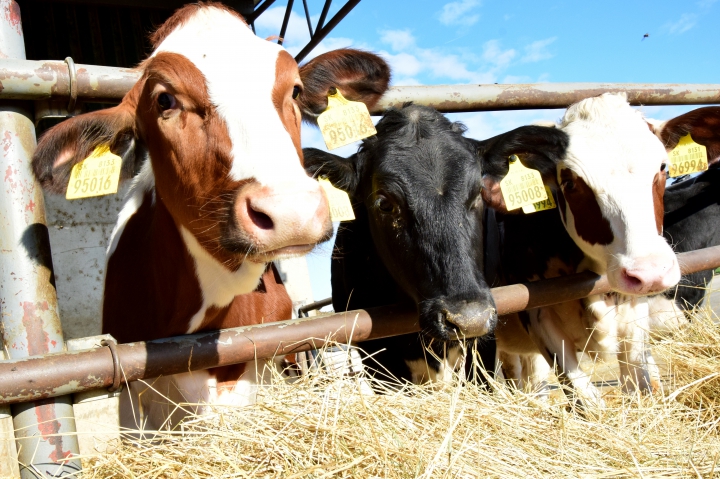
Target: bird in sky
x: 647, y: 35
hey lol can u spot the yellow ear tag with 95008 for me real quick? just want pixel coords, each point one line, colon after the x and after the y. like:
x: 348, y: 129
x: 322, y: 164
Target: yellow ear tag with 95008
x: 96, y: 175
x: 522, y: 186
x: 547, y: 204
x: 339, y: 201
x: 344, y: 121
x: 687, y: 157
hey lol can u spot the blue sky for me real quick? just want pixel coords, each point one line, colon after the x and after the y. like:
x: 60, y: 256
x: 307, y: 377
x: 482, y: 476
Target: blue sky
x: 475, y: 41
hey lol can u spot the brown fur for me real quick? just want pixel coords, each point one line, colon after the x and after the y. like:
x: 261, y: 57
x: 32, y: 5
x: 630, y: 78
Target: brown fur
x: 590, y: 223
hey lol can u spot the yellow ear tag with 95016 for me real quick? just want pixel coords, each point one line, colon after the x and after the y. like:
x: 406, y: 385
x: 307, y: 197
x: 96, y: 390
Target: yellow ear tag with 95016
x: 344, y: 121
x: 96, y: 175
x: 687, y: 157
x: 522, y: 186
x: 339, y: 201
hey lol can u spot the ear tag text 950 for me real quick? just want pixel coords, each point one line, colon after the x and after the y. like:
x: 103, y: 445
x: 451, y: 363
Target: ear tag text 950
x: 344, y: 121
x: 96, y: 175
x: 547, y: 204
x: 522, y: 186
x: 687, y: 157
x: 339, y: 201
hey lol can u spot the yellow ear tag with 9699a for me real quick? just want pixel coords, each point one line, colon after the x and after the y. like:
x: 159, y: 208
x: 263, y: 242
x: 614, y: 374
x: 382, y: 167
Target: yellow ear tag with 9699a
x: 522, y: 186
x: 96, y: 175
x: 687, y: 157
x: 344, y: 121
x: 547, y: 204
x: 339, y: 201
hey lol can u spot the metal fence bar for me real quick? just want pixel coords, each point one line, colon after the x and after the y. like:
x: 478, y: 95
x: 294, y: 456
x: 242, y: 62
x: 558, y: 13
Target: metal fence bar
x: 38, y: 80
x: 28, y: 301
x: 57, y: 374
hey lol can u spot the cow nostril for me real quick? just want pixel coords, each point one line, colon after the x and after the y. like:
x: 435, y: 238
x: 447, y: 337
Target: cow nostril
x: 259, y: 219
x: 631, y: 280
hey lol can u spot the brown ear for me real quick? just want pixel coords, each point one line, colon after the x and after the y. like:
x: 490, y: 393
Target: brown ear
x: 703, y: 125
x: 73, y: 140
x: 360, y: 76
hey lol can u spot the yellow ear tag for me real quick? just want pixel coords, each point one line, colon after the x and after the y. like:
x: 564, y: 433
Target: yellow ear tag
x: 340, y: 207
x: 522, y: 186
x: 547, y: 204
x: 96, y: 175
x: 344, y: 121
x: 687, y: 157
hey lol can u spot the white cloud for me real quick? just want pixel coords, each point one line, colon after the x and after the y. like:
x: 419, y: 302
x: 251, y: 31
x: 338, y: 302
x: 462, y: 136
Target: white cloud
x: 706, y: 3
x: 685, y: 23
x: 402, y: 64
x: 398, y: 40
x: 492, y: 53
x: 457, y: 13
x: 483, y: 125
x: 538, y: 50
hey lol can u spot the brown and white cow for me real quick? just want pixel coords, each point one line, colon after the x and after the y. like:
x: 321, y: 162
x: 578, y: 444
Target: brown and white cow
x: 608, y: 183
x: 213, y: 126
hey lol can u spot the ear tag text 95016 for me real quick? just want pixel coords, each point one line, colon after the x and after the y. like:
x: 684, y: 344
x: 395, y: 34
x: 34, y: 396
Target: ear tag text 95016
x: 687, y: 157
x: 522, y: 186
x: 339, y: 201
x: 344, y: 121
x: 96, y: 175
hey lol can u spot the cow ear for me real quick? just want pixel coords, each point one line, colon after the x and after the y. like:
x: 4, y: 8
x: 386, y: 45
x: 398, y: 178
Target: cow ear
x: 359, y: 75
x: 73, y: 140
x: 538, y: 147
x: 703, y: 125
x: 342, y: 172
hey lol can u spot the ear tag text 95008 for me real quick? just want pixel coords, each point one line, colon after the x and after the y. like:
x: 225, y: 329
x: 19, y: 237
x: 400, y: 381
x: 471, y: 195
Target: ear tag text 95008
x: 339, y: 201
x: 547, y: 204
x: 344, y: 121
x: 687, y: 157
x: 96, y: 175
x: 522, y: 186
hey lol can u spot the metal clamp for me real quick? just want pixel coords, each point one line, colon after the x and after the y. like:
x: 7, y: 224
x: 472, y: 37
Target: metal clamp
x: 72, y: 75
x: 116, y: 384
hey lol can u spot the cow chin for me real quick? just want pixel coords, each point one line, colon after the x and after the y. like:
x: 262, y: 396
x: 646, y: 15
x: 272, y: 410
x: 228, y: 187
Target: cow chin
x: 239, y: 244
x: 450, y: 319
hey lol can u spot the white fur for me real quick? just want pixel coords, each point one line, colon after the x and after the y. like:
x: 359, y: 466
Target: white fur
x: 218, y: 284
x: 240, y: 72
x: 450, y: 364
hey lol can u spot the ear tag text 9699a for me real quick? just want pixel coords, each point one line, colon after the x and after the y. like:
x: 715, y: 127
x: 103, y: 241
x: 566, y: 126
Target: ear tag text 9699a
x: 344, y: 121
x: 522, y: 186
x: 96, y: 175
x: 687, y: 157
x: 339, y: 201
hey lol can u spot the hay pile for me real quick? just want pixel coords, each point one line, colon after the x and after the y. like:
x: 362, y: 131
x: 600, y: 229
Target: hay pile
x: 323, y: 427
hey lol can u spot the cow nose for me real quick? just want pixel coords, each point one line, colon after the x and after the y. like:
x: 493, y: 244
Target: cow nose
x: 652, y: 274
x: 283, y: 216
x: 471, y: 319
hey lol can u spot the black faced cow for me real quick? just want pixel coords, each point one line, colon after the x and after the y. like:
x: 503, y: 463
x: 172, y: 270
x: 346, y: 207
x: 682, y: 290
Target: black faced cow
x: 417, y: 237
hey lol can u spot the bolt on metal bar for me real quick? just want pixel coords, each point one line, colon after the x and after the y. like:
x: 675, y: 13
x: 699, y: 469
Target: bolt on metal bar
x: 29, y: 320
x: 75, y: 371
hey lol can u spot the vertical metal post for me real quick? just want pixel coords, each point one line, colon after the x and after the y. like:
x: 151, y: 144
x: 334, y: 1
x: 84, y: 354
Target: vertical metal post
x: 29, y: 320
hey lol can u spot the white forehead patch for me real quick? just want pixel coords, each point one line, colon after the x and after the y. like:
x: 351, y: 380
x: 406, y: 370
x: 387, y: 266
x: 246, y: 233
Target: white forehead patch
x: 240, y: 70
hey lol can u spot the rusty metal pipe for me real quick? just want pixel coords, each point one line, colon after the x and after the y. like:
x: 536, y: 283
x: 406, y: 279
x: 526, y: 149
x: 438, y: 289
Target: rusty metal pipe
x: 57, y: 374
x: 45, y: 79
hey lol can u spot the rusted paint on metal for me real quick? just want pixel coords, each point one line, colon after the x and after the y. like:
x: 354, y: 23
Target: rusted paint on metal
x: 49, y: 428
x: 465, y: 98
x: 76, y: 371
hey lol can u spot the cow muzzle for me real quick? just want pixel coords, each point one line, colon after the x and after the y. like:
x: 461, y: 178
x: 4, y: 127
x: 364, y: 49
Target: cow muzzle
x: 282, y: 220
x: 459, y: 319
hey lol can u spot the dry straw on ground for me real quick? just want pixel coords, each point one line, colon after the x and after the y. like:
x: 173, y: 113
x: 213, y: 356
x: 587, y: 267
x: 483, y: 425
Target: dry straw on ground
x: 324, y: 427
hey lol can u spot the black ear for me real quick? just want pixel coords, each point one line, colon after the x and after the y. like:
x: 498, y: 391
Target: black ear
x: 73, y: 140
x: 342, y: 172
x: 538, y: 147
x: 360, y: 76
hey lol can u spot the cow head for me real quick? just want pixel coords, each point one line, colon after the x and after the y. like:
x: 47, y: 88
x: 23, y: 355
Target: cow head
x: 609, y: 182
x: 418, y: 181
x: 217, y: 112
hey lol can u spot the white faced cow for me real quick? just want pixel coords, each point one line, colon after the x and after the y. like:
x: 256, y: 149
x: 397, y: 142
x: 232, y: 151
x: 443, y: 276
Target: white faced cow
x: 214, y: 127
x: 609, y: 186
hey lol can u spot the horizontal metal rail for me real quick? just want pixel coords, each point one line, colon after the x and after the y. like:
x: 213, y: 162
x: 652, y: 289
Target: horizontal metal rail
x: 46, y: 79
x: 38, y: 377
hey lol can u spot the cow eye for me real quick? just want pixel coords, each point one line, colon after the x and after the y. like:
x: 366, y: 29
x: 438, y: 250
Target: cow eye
x: 166, y: 101
x: 568, y: 185
x: 297, y: 89
x: 384, y: 204
x: 662, y: 167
